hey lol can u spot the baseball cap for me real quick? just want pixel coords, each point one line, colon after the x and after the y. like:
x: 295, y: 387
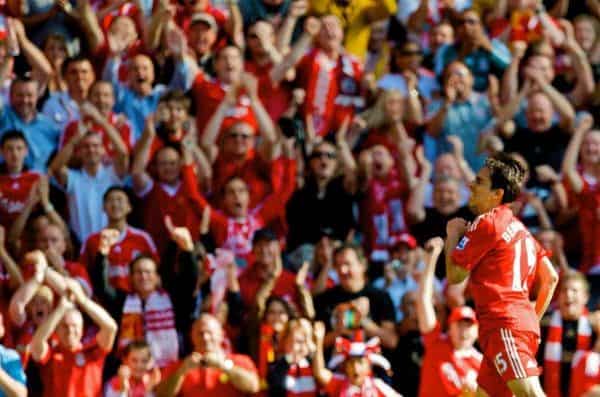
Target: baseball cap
x: 206, y: 18
x: 406, y: 238
x: 462, y: 313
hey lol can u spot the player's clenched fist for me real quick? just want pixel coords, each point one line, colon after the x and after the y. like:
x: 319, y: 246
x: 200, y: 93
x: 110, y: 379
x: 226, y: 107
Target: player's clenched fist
x: 456, y: 227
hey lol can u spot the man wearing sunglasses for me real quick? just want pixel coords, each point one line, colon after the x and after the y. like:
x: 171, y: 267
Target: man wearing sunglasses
x: 484, y: 56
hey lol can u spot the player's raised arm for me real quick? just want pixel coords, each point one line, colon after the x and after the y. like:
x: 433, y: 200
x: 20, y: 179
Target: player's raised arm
x: 547, y: 278
x: 425, y: 310
x: 455, y: 229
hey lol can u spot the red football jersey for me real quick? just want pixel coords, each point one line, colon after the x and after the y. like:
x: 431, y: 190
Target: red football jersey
x: 208, y: 94
x: 501, y: 254
x: 445, y: 371
x: 132, y: 243
x: 275, y: 98
x: 73, y: 374
x: 124, y: 129
x: 14, y: 190
x: 333, y: 89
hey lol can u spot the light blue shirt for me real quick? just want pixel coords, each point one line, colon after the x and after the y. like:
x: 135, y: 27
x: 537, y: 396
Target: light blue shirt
x: 396, y: 291
x: 61, y: 109
x: 10, y: 362
x: 136, y: 107
x: 467, y: 120
x: 427, y: 84
x: 41, y: 133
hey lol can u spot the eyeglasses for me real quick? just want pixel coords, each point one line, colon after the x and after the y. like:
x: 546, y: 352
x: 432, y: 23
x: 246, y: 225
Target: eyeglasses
x: 469, y: 21
x: 319, y: 154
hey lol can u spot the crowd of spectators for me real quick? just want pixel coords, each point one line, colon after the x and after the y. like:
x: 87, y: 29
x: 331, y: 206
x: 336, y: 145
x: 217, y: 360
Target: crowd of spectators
x: 250, y: 197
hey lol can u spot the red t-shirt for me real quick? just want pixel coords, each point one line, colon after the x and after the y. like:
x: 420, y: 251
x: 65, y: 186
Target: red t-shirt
x: 161, y: 200
x: 14, y: 190
x: 585, y: 374
x: 333, y: 89
x: 204, y: 381
x: 73, y: 374
x: 285, y: 287
x: 132, y: 243
x: 588, y: 202
x: 500, y: 253
x: 275, y: 98
x: 382, y: 214
x: 208, y: 94
x: 444, y: 370
x: 124, y: 129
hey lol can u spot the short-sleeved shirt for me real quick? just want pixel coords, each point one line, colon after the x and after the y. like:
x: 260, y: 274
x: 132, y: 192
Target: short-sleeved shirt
x: 10, y: 362
x: 446, y: 371
x: 204, y: 381
x: 85, y: 196
x: 380, y: 304
x: 14, y: 191
x: 73, y: 374
x: 131, y: 243
x: 501, y: 255
x: 41, y: 135
x: 61, y: 109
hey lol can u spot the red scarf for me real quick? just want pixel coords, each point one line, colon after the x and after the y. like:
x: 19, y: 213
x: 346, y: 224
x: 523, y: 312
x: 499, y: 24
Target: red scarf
x: 299, y: 381
x: 266, y: 352
x: 553, y: 350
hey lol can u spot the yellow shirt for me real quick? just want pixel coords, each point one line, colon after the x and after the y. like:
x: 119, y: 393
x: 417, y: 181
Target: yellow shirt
x: 481, y: 6
x: 356, y: 19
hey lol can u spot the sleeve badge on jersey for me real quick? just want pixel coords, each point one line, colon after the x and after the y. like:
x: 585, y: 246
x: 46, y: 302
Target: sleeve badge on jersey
x: 462, y: 243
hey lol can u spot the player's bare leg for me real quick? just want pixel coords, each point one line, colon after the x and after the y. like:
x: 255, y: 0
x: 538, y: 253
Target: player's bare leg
x: 527, y: 387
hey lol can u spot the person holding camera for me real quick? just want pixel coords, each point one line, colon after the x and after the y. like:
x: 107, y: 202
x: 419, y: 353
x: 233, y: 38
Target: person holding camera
x: 209, y: 369
x: 353, y: 307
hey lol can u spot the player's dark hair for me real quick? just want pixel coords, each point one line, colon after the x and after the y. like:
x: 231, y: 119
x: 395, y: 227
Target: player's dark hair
x: 139, y: 258
x: 12, y: 135
x: 177, y: 96
x: 72, y: 60
x: 507, y: 174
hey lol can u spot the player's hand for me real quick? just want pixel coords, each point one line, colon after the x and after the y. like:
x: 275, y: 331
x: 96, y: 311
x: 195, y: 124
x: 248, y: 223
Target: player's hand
x: 456, y: 227
x: 38, y: 259
x: 55, y: 260
x: 585, y: 122
x: 362, y: 305
x: 181, y: 235
x: 546, y: 174
x: 302, y: 274
x: 108, y: 238
x: 319, y: 332
x: 124, y: 375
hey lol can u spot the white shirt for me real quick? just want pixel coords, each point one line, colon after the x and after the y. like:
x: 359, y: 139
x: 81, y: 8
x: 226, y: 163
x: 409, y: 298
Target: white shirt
x: 84, y: 194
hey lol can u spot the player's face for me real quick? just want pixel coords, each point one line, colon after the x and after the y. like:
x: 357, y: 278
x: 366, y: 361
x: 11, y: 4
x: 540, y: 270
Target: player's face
x: 585, y: 33
x: 441, y: 34
x: 265, y: 255
x: 14, y: 152
x: 144, y: 277
x: 38, y: 309
x: 572, y: 299
x: 276, y: 316
x: 207, y: 335
x: 202, y: 38
x: 102, y: 96
x: 463, y: 334
x: 56, y: 51
x: 117, y: 205
x: 236, y: 198
x: 542, y: 65
x: 238, y: 140
x: 357, y: 370
x: 141, y: 73
x: 331, y: 34
x: 168, y: 165
x: 349, y: 268
x: 483, y: 197
x: 323, y: 161
x: 446, y: 196
x: 539, y: 113
x: 70, y: 330
x: 296, y: 343
x: 382, y: 161
x: 139, y: 361
x: 24, y: 98
x: 446, y: 165
x: 174, y: 115
x: 394, y: 106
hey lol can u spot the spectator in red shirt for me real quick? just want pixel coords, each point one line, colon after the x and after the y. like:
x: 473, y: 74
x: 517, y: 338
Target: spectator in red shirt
x: 210, y: 370
x: 451, y: 363
x: 16, y: 181
x: 73, y: 370
x: 357, y: 358
x: 171, y: 192
x: 137, y: 376
x: 131, y: 242
x: 98, y: 116
x: 236, y: 153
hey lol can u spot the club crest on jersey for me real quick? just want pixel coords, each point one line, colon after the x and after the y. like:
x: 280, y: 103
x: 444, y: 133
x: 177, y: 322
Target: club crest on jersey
x: 462, y: 243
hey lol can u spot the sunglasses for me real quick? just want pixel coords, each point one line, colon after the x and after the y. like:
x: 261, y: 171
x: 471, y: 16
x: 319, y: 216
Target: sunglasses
x: 319, y: 154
